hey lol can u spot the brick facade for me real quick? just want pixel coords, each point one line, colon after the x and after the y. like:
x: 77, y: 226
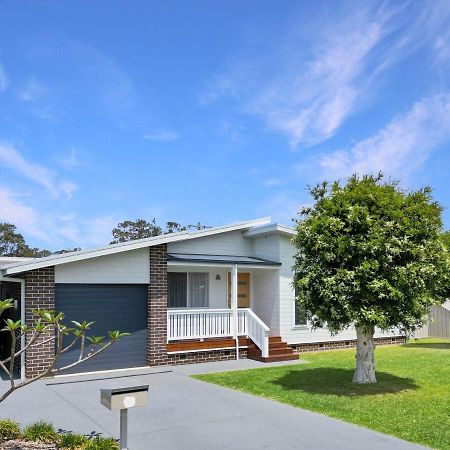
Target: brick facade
x: 39, y: 294
x: 206, y: 356
x: 334, y: 345
x: 157, y: 307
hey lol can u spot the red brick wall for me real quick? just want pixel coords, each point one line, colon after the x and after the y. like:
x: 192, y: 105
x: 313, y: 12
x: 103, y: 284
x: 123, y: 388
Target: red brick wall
x: 206, y: 356
x: 39, y: 294
x: 333, y: 345
x: 157, y: 306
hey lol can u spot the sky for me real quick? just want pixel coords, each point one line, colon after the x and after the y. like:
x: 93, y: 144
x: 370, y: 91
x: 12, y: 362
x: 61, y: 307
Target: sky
x: 212, y: 111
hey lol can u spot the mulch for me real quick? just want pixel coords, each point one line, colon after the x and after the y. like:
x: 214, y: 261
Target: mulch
x: 17, y: 444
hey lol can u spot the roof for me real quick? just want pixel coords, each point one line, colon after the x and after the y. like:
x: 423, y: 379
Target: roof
x: 13, y: 259
x: 220, y: 259
x: 269, y: 229
x: 54, y: 260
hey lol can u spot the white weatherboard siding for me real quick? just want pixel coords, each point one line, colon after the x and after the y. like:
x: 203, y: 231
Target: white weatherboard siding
x: 132, y: 267
x: 297, y: 335
x: 265, y: 301
x: 266, y: 283
x: 231, y: 243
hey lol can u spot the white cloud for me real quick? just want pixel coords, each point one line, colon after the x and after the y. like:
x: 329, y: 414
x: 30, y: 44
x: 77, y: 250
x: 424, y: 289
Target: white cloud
x: 53, y: 230
x: 401, y: 147
x: 319, y: 75
x: 84, y: 233
x: 24, y: 217
x: 32, y: 91
x: 3, y: 79
x: 162, y: 136
x: 14, y: 212
x: 312, y: 104
x: 11, y: 158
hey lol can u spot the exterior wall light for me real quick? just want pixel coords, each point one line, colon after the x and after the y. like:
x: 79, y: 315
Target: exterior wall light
x: 217, y: 277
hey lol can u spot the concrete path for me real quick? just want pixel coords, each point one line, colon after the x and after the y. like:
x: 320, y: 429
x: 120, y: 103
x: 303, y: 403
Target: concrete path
x: 184, y: 413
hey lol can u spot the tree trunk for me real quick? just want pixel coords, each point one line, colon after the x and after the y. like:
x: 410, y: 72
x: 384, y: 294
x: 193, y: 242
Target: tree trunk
x: 365, y: 355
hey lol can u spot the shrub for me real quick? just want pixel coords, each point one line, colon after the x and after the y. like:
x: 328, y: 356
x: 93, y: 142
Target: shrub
x: 71, y: 441
x: 41, y: 432
x: 9, y: 429
x: 99, y: 443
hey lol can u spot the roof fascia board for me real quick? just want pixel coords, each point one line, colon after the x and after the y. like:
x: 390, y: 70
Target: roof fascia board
x: 55, y: 260
x: 221, y: 265
x: 271, y: 228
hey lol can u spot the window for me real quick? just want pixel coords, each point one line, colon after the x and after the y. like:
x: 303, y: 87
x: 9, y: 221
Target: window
x: 198, y: 290
x: 300, y: 317
x: 177, y: 290
x: 188, y: 290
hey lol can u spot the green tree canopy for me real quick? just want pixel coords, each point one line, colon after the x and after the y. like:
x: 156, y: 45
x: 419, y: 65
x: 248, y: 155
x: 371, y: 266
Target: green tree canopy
x: 130, y: 230
x: 12, y: 243
x: 370, y: 254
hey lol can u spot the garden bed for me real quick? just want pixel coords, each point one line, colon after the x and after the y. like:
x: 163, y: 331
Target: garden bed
x: 43, y: 436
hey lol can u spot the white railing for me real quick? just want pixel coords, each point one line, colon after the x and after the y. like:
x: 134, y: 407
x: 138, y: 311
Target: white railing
x: 203, y: 323
x: 258, y: 332
x: 215, y: 323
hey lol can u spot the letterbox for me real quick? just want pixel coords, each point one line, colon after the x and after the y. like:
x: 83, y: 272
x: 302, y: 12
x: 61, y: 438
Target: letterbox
x: 124, y: 398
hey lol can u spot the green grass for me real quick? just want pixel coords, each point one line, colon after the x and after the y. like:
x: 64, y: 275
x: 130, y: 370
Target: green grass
x: 411, y: 399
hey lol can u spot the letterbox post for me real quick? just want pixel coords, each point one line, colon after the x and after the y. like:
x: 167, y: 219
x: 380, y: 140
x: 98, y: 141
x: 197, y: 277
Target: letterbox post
x: 121, y: 399
x: 124, y: 429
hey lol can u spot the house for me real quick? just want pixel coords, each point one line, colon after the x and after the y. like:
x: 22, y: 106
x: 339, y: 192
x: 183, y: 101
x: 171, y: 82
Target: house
x: 212, y: 294
x: 438, y: 325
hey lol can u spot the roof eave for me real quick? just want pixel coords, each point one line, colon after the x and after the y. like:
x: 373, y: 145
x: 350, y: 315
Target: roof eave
x: 55, y: 260
x: 269, y: 229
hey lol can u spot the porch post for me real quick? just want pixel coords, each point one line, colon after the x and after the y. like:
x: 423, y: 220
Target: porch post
x: 234, y: 306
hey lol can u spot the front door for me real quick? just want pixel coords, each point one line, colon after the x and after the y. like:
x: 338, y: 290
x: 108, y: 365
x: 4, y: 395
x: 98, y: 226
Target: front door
x: 243, y: 290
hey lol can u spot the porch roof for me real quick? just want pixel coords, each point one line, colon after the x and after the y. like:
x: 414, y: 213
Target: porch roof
x: 219, y: 259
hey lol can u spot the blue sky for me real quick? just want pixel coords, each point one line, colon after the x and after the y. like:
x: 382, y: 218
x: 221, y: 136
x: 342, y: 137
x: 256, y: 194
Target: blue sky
x: 212, y: 111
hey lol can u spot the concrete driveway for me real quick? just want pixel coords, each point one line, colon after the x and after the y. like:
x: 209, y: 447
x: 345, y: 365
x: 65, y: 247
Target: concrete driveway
x: 189, y: 414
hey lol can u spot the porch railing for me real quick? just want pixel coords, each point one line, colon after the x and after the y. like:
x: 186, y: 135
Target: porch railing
x: 258, y: 332
x: 216, y: 323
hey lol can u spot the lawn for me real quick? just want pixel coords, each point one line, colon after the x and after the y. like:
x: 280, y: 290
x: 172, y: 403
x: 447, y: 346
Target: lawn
x: 411, y: 399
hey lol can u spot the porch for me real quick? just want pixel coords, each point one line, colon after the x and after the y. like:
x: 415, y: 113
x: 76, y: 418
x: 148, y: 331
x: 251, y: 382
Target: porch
x: 219, y: 298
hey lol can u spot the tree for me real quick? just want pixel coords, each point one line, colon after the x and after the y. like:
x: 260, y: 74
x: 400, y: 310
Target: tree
x: 130, y: 230
x: 50, y: 327
x: 12, y: 243
x: 370, y: 254
x: 446, y: 239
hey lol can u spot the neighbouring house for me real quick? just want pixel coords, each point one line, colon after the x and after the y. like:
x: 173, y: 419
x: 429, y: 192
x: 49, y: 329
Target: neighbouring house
x: 438, y: 326
x: 213, y: 294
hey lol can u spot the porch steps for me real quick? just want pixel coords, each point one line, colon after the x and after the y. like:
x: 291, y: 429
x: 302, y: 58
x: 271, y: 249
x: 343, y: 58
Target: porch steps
x: 278, y: 351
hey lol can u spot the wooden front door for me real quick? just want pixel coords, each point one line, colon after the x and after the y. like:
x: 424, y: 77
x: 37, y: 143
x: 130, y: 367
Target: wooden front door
x: 243, y: 290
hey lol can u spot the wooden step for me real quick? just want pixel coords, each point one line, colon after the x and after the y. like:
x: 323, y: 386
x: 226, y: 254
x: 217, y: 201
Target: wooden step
x: 278, y: 351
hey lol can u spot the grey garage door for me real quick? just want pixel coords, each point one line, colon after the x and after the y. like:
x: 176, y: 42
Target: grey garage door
x: 111, y: 307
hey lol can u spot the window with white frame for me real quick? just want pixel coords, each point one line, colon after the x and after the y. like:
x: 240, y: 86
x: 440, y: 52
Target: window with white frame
x: 300, y: 316
x: 188, y: 289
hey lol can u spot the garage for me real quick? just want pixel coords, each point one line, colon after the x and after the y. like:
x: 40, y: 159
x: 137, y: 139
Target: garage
x: 112, y: 307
